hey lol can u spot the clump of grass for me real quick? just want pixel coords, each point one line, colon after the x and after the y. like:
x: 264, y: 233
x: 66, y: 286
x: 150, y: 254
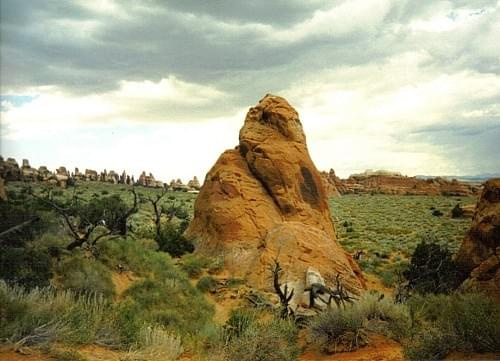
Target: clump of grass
x: 456, y: 322
x: 193, y: 264
x: 431, y: 344
x: 239, y: 321
x: 41, y: 316
x: 155, y: 344
x: 338, y: 329
x: 206, y: 283
x: 275, y: 340
x: 86, y: 275
x: 384, y: 316
x: 170, y: 301
x: 215, y: 265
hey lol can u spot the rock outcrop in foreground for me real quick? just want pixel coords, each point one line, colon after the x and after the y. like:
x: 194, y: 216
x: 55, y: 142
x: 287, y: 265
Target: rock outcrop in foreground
x: 480, y: 251
x: 265, y: 200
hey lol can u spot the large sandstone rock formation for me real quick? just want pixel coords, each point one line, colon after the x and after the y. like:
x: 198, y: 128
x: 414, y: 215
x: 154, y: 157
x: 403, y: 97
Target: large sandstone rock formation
x: 479, y: 253
x: 264, y: 200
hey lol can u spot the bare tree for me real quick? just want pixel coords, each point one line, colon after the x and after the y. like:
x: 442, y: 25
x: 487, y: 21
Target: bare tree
x: 158, y: 210
x: 339, y: 295
x: 284, y: 295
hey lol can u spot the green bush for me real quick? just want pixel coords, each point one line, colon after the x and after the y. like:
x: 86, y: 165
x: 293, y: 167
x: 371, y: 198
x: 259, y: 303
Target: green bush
x: 475, y: 319
x: 432, y: 269
x: 458, y: 322
x: 206, y: 283
x: 275, y: 340
x: 240, y: 319
x: 25, y: 266
x: 338, y: 329
x: 86, y: 276
x: 457, y: 211
x: 20, y: 209
x: 430, y: 344
x: 168, y: 300
x: 384, y: 316
x: 155, y: 344
x: 193, y: 264
x: 42, y: 315
x: 172, y: 241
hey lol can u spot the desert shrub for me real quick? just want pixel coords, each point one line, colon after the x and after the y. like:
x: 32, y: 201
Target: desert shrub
x: 384, y: 316
x: 128, y: 321
x: 206, y: 283
x: 42, y: 315
x: 338, y: 329
x: 142, y: 229
x: 432, y: 269
x: 457, y: 322
x: 170, y: 301
x: 29, y: 267
x: 86, y: 276
x: 474, y: 319
x: 437, y: 213
x: 215, y: 264
x: 20, y: 209
x: 193, y: 264
x: 457, y: 211
x: 275, y: 340
x: 233, y: 282
x: 430, y: 344
x: 240, y: 319
x: 172, y: 240
x: 155, y: 344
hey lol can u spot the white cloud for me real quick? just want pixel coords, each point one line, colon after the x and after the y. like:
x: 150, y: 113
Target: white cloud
x: 134, y: 101
x: 347, y: 17
x: 364, y: 116
x: 169, y: 89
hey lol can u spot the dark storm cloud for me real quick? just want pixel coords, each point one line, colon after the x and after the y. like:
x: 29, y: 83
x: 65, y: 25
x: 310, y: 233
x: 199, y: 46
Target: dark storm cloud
x: 203, y: 42
x: 196, y: 43
x: 237, y: 51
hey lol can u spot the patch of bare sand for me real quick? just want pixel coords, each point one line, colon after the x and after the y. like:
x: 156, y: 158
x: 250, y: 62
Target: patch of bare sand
x: 9, y: 354
x: 374, y: 283
x: 123, y: 280
x: 380, y: 348
x: 99, y: 353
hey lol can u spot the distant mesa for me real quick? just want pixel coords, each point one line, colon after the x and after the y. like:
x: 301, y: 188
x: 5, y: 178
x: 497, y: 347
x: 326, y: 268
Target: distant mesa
x: 265, y: 200
x: 479, y: 253
x: 388, y: 182
x: 10, y: 171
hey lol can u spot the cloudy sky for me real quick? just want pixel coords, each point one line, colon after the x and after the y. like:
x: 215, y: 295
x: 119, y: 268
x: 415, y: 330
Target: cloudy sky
x: 163, y: 86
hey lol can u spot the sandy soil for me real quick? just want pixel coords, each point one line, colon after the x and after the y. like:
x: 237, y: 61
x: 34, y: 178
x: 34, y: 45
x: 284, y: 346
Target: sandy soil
x: 379, y: 349
x: 9, y: 354
x: 122, y: 281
